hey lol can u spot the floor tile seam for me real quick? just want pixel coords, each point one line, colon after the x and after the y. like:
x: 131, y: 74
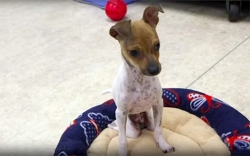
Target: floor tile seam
x: 210, y: 68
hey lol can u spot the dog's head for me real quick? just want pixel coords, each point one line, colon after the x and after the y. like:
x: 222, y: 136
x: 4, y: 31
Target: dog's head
x: 139, y: 41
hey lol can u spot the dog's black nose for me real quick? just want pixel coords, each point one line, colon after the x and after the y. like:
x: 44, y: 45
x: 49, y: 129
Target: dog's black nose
x: 153, y: 70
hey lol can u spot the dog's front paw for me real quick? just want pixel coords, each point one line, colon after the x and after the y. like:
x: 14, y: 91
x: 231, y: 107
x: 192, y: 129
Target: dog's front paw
x: 165, y: 147
x: 123, y: 149
x: 169, y: 150
x: 123, y: 153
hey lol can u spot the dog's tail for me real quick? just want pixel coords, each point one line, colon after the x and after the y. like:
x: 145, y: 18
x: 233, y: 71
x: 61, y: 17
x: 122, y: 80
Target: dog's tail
x: 106, y: 91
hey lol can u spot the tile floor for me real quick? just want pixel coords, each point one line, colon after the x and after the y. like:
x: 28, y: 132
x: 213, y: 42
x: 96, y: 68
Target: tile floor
x: 56, y: 57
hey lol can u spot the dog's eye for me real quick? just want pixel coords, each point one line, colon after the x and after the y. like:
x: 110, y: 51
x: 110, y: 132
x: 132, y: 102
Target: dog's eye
x: 134, y: 53
x: 157, y: 46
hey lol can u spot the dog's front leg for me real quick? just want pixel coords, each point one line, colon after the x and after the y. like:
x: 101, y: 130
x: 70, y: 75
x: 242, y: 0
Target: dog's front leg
x: 160, y: 141
x: 150, y: 119
x: 121, y: 117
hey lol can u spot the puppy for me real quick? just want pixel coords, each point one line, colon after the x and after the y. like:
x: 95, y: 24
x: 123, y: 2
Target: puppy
x: 136, y: 88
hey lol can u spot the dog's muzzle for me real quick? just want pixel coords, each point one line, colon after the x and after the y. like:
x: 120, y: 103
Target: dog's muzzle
x: 153, y: 70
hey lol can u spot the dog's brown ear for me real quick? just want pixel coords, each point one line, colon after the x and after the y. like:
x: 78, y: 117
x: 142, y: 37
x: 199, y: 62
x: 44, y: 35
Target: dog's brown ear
x: 150, y: 15
x: 121, y: 30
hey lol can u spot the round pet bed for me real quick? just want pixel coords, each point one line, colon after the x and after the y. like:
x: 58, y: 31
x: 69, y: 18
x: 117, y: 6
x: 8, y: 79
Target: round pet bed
x: 230, y: 125
x: 184, y: 131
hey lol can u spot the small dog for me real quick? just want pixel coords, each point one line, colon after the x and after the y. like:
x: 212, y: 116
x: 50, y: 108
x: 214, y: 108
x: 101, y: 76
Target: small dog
x: 136, y: 88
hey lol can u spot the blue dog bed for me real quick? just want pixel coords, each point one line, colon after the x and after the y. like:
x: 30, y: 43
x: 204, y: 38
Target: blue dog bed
x: 102, y: 3
x: 230, y: 125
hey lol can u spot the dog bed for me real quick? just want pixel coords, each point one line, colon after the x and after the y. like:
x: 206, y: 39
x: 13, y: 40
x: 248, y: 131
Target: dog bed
x: 186, y: 132
x: 230, y: 125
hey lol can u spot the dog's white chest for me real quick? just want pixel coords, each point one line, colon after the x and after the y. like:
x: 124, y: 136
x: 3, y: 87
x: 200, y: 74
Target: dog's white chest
x: 142, y: 96
x: 135, y: 93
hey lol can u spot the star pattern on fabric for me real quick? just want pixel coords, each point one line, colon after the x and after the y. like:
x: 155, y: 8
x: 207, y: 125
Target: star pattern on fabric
x: 170, y: 97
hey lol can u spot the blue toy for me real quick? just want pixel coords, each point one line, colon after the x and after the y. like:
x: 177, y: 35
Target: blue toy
x: 102, y: 3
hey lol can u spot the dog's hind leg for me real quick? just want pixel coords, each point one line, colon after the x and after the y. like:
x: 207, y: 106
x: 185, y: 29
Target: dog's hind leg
x: 132, y: 129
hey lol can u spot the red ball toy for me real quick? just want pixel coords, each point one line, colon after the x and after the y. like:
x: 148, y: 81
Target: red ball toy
x: 116, y: 9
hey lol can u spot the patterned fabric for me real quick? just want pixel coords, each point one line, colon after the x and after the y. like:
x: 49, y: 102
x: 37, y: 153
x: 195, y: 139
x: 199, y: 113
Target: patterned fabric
x: 230, y: 125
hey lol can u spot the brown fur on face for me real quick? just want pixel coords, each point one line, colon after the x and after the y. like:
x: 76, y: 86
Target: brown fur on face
x: 139, y: 41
